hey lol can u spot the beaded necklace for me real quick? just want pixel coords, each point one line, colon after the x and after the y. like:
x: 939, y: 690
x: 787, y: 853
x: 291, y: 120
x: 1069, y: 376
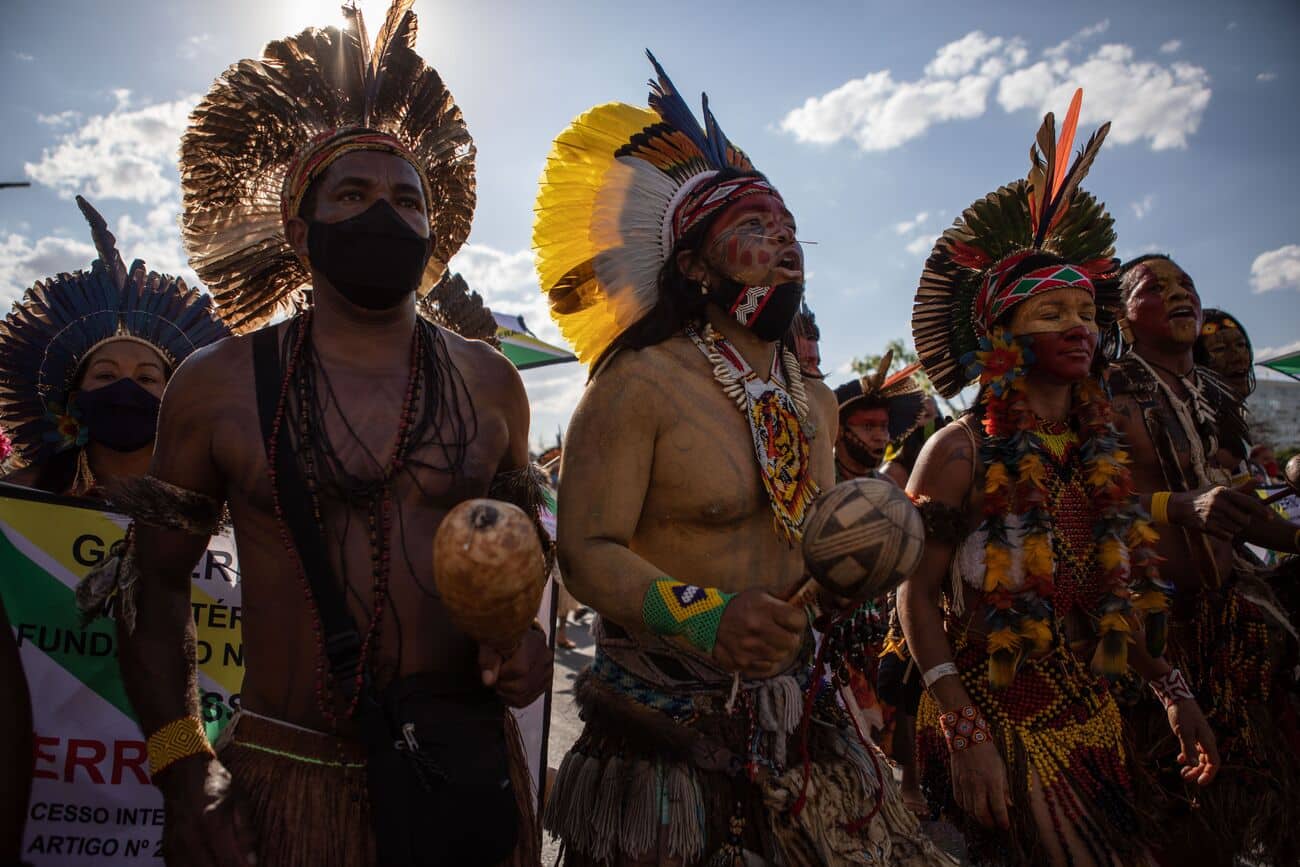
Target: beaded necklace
x: 1072, y: 502
x: 778, y: 424
x: 379, y: 505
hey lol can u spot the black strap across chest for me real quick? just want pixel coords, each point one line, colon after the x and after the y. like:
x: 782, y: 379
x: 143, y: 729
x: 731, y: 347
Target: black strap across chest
x: 342, y: 640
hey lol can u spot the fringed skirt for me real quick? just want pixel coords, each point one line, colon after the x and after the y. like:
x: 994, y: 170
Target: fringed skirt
x: 1238, y: 655
x: 1055, y: 726
x: 677, y: 776
x: 307, y: 798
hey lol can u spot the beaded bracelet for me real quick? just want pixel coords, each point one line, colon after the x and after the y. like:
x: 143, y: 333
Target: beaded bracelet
x: 179, y: 739
x: 965, y: 728
x: 1160, y: 506
x: 1171, y: 688
x: 673, y: 608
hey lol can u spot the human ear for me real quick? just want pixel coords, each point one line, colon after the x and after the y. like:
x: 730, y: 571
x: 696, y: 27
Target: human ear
x: 295, y: 232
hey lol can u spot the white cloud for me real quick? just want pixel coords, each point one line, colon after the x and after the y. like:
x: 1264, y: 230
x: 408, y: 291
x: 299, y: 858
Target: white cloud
x: 23, y: 262
x: 62, y: 118
x: 129, y: 153
x: 879, y: 113
x: 1276, y: 269
x: 1074, y: 42
x: 508, y: 283
x: 192, y: 46
x: 1171, y: 47
x: 1232, y: 25
x: 157, y: 241
x: 921, y: 244
x: 24, y: 56
x: 1275, y: 351
x: 1162, y: 105
x: 907, y: 226
x: 1159, y: 103
x: 1143, y: 207
x: 1266, y: 76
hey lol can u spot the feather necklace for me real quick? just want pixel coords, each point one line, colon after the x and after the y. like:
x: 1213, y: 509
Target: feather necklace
x: 778, y: 425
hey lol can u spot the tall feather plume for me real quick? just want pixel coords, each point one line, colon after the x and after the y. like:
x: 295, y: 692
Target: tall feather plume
x: 1077, y: 173
x: 1066, y: 142
x: 399, y: 28
x: 105, y: 243
x: 1042, y: 168
x: 360, y: 57
x: 665, y: 99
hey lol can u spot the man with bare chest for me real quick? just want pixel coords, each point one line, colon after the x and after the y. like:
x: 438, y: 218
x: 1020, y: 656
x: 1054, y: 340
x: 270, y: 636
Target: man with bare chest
x: 371, y: 730
x: 689, y: 467
x: 1227, y: 632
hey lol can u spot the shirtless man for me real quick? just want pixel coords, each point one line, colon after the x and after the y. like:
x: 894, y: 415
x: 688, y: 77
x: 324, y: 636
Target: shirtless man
x: 680, y: 521
x: 392, y: 421
x: 1228, y: 636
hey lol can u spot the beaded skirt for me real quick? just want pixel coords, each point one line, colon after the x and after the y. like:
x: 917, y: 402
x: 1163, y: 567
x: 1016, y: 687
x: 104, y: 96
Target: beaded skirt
x: 1237, y: 650
x: 1055, y: 724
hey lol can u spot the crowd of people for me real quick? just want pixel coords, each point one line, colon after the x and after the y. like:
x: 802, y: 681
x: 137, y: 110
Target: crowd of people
x: 1090, y: 666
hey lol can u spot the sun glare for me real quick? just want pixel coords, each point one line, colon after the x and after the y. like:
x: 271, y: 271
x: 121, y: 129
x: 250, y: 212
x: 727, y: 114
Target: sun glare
x: 296, y: 15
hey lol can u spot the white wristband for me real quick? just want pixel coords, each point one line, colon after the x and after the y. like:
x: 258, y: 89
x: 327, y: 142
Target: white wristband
x: 940, y: 671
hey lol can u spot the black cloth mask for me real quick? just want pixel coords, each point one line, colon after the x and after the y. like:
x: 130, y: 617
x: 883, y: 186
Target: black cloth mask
x: 765, y: 310
x: 374, y: 259
x: 122, y: 416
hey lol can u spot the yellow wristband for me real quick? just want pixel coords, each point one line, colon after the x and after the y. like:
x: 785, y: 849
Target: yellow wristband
x: 179, y: 739
x: 1160, y: 506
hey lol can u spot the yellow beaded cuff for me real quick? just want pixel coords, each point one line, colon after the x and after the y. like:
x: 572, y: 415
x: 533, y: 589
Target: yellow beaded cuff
x: 179, y: 739
x: 1160, y: 506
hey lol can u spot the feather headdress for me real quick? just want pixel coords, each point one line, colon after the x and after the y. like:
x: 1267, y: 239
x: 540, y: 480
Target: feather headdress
x: 268, y: 126
x: 898, y: 393
x: 971, y: 278
x: 456, y: 307
x: 48, y: 335
x: 621, y: 186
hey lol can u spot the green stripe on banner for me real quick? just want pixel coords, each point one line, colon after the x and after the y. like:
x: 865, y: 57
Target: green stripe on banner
x: 33, y: 596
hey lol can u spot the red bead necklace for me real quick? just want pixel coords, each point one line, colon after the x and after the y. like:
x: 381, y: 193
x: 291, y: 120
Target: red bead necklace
x: 380, y: 517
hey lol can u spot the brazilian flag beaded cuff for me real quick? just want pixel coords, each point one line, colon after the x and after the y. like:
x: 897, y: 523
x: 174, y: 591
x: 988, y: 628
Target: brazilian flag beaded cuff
x: 673, y: 608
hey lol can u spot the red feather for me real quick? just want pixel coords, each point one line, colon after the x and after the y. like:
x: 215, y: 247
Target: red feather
x: 1066, y: 142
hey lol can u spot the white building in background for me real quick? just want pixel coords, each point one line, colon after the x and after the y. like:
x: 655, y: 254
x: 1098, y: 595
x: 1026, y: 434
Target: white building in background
x: 1275, y: 413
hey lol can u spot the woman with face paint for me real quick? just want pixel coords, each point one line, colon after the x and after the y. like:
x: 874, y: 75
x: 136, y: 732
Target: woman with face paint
x: 1038, y: 582
x: 84, y: 362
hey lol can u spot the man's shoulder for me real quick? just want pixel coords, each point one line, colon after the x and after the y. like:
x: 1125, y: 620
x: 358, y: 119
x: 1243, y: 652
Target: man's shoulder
x: 1129, y: 376
x: 217, y: 362
x: 624, y: 367
x: 477, y: 358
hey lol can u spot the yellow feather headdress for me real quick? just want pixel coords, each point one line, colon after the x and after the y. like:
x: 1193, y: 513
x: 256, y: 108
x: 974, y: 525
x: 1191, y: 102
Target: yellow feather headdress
x: 262, y: 117
x: 603, y: 227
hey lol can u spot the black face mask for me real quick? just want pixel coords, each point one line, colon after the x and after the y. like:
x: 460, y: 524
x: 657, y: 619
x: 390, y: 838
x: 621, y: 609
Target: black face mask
x: 765, y: 310
x: 122, y: 416
x: 374, y: 259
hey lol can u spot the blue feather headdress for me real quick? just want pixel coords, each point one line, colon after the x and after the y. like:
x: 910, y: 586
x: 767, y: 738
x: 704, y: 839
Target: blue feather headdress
x: 47, y: 337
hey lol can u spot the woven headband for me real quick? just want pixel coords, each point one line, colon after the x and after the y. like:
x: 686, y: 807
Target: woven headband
x: 1001, y: 291
x: 327, y: 147
x: 699, y: 199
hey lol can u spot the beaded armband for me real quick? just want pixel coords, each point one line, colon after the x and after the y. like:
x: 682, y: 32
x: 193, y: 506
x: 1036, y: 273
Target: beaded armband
x: 943, y: 523
x: 673, y: 608
x: 1171, y: 688
x: 964, y: 728
x: 179, y: 739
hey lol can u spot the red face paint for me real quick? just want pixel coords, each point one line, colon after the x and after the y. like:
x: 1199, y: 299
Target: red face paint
x: 753, y: 243
x: 1163, y: 307
x: 1065, y: 355
x: 870, y: 427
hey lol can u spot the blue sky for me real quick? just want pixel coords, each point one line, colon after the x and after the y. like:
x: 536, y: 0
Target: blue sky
x: 878, y: 121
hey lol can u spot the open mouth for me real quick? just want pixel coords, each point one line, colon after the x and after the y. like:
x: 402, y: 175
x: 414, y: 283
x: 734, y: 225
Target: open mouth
x: 790, y: 261
x: 1182, y: 312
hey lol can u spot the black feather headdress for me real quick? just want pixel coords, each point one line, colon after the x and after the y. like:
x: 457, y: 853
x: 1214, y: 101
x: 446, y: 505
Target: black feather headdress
x: 47, y: 337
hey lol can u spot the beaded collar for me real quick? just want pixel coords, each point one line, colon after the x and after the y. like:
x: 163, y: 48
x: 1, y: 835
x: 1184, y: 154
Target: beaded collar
x: 778, y: 425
